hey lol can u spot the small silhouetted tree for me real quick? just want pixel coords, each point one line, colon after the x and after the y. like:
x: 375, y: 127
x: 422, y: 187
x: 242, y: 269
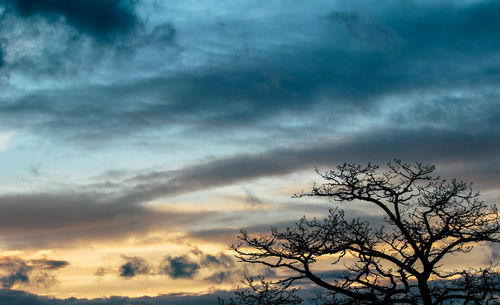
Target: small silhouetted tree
x: 397, y: 261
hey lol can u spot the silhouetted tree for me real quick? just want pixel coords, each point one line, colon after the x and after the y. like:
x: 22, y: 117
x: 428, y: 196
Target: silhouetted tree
x: 261, y: 292
x: 397, y: 261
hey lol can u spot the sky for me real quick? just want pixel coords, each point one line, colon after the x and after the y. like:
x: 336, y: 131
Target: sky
x: 137, y: 137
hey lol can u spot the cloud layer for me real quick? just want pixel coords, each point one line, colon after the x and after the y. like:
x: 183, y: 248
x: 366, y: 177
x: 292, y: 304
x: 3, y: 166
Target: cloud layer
x: 352, y: 67
x: 12, y: 297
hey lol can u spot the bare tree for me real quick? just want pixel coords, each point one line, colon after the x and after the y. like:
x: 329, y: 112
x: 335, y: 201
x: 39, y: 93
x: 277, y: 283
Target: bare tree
x: 261, y: 292
x: 397, y: 261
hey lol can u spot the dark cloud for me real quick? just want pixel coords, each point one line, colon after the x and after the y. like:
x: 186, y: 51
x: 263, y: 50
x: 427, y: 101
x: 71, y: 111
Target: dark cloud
x: 46, y: 264
x: 221, y: 265
x: 59, y: 218
x: 133, y: 266
x: 15, y: 297
x: 180, y: 267
x: 101, y: 19
x: 423, y: 50
x: 19, y: 271
x: 18, y: 275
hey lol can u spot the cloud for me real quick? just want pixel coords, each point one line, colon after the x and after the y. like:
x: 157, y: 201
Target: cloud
x: 16, y: 297
x: 119, y: 211
x: 229, y: 235
x: 19, y: 275
x: 252, y: 199
x: 325, y: 78
x: 133, y: 266
x: 220, y: 277
x: 19, y: 271
x: 101, y: 19
x: 57, y: 40
x: 45, y: 264
x: 221, y: 266
x: 426, y: 144
x: 180, y: 267
x: 63, y: 218
x: 219, y: 260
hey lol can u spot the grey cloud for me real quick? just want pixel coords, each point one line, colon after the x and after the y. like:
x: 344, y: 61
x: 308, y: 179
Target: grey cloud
x: 120, y: 212
x: 46, y: 264
x: 37, y: 220
x: 16, y: 297
x: 133, y: 266
x: 44, y: 279
x: 252, y: 198
x: 20, y: 271
x: 495, y: 253
x: 228, y: 235
x: 180, y: 267
x: 219, y: 277
x: 223, y: 267
x: 463, y: 155
x: 382, y: 145
x: 188, y: 266
x: 101, y: 19
x: 220, y: 260
x: 19, y: 275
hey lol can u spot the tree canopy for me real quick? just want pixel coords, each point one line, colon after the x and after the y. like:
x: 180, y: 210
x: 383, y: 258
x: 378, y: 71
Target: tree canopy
x: 397, y: 260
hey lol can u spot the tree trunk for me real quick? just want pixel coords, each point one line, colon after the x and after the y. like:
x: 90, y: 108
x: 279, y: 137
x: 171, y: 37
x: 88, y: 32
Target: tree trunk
x: 425, y: 292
